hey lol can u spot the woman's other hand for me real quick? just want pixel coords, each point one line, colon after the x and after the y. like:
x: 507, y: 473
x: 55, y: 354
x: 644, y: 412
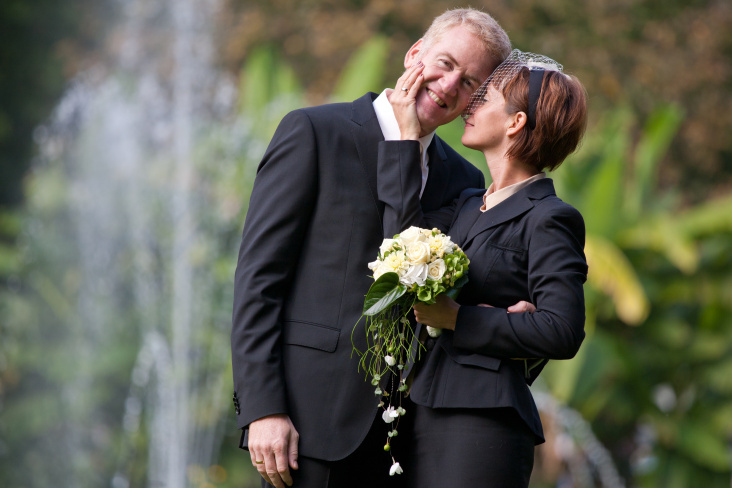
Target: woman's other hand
x: 403, y: 101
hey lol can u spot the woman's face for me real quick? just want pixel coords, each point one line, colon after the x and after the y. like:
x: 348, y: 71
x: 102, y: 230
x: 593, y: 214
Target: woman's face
x: 486, y: 128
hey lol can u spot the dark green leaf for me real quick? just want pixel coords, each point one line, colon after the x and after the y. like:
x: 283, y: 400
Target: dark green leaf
x: 454, y: 291
x: 383, y: 293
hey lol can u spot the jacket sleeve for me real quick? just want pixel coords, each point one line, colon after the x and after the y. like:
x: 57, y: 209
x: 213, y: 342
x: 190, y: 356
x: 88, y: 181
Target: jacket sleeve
x: 556, y: 274
x: 399, y: 182
x: 278, y: 216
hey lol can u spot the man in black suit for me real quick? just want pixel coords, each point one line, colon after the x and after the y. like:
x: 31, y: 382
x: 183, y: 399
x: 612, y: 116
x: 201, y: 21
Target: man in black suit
x: 314, y: 222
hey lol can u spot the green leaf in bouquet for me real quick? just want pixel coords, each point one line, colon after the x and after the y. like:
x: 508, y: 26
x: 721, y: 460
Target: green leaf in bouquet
x: 425, y: 295
x: 383, y: 293
x: 453, y: 292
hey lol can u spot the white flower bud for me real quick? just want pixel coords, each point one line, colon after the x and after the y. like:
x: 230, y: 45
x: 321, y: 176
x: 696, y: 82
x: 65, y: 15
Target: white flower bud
x: 395, y: 469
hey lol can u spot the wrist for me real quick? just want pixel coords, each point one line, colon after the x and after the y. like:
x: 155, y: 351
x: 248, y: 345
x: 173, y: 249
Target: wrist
x: 409, y: 135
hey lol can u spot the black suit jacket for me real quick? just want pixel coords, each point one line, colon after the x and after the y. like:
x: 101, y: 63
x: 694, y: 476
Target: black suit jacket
x: 529, y: 247
x: 314, y: 222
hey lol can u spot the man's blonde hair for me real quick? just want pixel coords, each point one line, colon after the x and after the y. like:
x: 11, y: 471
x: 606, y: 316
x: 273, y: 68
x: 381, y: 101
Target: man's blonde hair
x: 483, y: 26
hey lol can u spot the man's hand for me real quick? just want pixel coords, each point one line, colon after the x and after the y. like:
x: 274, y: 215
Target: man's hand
x: 273, y: 448
x: 519, y: 307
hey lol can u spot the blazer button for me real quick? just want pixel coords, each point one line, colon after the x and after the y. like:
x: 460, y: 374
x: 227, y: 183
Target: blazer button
x: 237, y: 409
x: 429, y: 343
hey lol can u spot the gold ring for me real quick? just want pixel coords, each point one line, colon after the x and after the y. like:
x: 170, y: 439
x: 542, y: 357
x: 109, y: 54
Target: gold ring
x: 259, y: 462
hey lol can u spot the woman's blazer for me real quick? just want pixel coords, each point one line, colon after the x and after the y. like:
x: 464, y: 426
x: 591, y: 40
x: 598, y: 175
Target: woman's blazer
x: 528, y: 247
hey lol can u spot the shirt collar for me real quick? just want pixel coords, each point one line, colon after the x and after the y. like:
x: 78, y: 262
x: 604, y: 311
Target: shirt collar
x: 492, y: 198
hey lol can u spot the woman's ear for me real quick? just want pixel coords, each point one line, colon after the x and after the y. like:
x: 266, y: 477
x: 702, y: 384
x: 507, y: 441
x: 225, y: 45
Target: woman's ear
x: 515, y: 123
x: 414, y: 54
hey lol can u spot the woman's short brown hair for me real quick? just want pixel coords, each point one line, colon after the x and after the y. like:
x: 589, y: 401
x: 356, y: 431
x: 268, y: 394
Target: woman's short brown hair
x: 561, y: 118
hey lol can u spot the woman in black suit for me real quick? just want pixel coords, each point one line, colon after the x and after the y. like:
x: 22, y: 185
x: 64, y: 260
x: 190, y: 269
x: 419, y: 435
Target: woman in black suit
x: 475, y: 421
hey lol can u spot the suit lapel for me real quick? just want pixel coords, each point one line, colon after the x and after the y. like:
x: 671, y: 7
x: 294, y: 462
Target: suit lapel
x: 367, y: 134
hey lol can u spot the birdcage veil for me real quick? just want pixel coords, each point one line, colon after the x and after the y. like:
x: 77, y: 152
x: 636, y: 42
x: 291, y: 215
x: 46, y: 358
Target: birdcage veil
x: 507, y: 71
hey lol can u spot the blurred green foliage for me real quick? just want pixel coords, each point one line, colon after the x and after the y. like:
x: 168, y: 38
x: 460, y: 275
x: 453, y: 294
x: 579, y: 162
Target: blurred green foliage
x: 650, y: 355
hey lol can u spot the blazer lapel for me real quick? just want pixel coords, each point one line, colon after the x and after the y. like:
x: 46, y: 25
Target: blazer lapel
x: 468, y: 211
x: 438, y: 177
x: 366, y: 137
x: 512, y: 207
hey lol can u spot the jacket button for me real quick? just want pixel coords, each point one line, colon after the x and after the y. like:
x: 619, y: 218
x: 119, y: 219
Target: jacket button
x: 237, y: 409
x: 429, y: 343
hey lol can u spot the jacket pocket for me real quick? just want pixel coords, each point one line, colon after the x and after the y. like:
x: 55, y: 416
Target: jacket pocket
x: 472, y: 359
x: 312, y: 335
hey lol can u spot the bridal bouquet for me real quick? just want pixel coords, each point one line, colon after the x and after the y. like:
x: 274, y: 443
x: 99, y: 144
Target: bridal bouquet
x: 416, y: 265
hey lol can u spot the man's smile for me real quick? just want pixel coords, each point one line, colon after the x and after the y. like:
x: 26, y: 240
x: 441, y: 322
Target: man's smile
x: 437, y: 99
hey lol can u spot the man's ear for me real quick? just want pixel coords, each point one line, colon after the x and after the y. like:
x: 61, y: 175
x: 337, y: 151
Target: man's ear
x: 516, y: 122
x: 414, y: 54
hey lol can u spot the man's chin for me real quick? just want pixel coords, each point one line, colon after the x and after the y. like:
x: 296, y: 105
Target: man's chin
x: 432, y: 115
x: 441, y: 122
x: 431, y: 123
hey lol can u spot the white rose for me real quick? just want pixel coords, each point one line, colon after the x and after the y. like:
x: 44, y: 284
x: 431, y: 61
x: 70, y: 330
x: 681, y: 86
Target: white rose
x: 380, y: 270
x: 387, y: 245
x: 418, y: 252
x: 396, y: 262
x: 436, y: 269
x: 415, y: 274
x: 411, y: 235
x: 373, y: 265
x: 440, y: 244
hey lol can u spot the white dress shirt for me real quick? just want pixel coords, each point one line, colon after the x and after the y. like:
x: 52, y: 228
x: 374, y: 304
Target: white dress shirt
x: 390, y: 129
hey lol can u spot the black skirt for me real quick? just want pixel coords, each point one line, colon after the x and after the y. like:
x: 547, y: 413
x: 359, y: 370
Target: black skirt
x: 488, y: 448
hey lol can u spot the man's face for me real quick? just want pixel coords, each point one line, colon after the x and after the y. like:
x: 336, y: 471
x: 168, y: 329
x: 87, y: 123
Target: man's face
x: 454, y: 67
